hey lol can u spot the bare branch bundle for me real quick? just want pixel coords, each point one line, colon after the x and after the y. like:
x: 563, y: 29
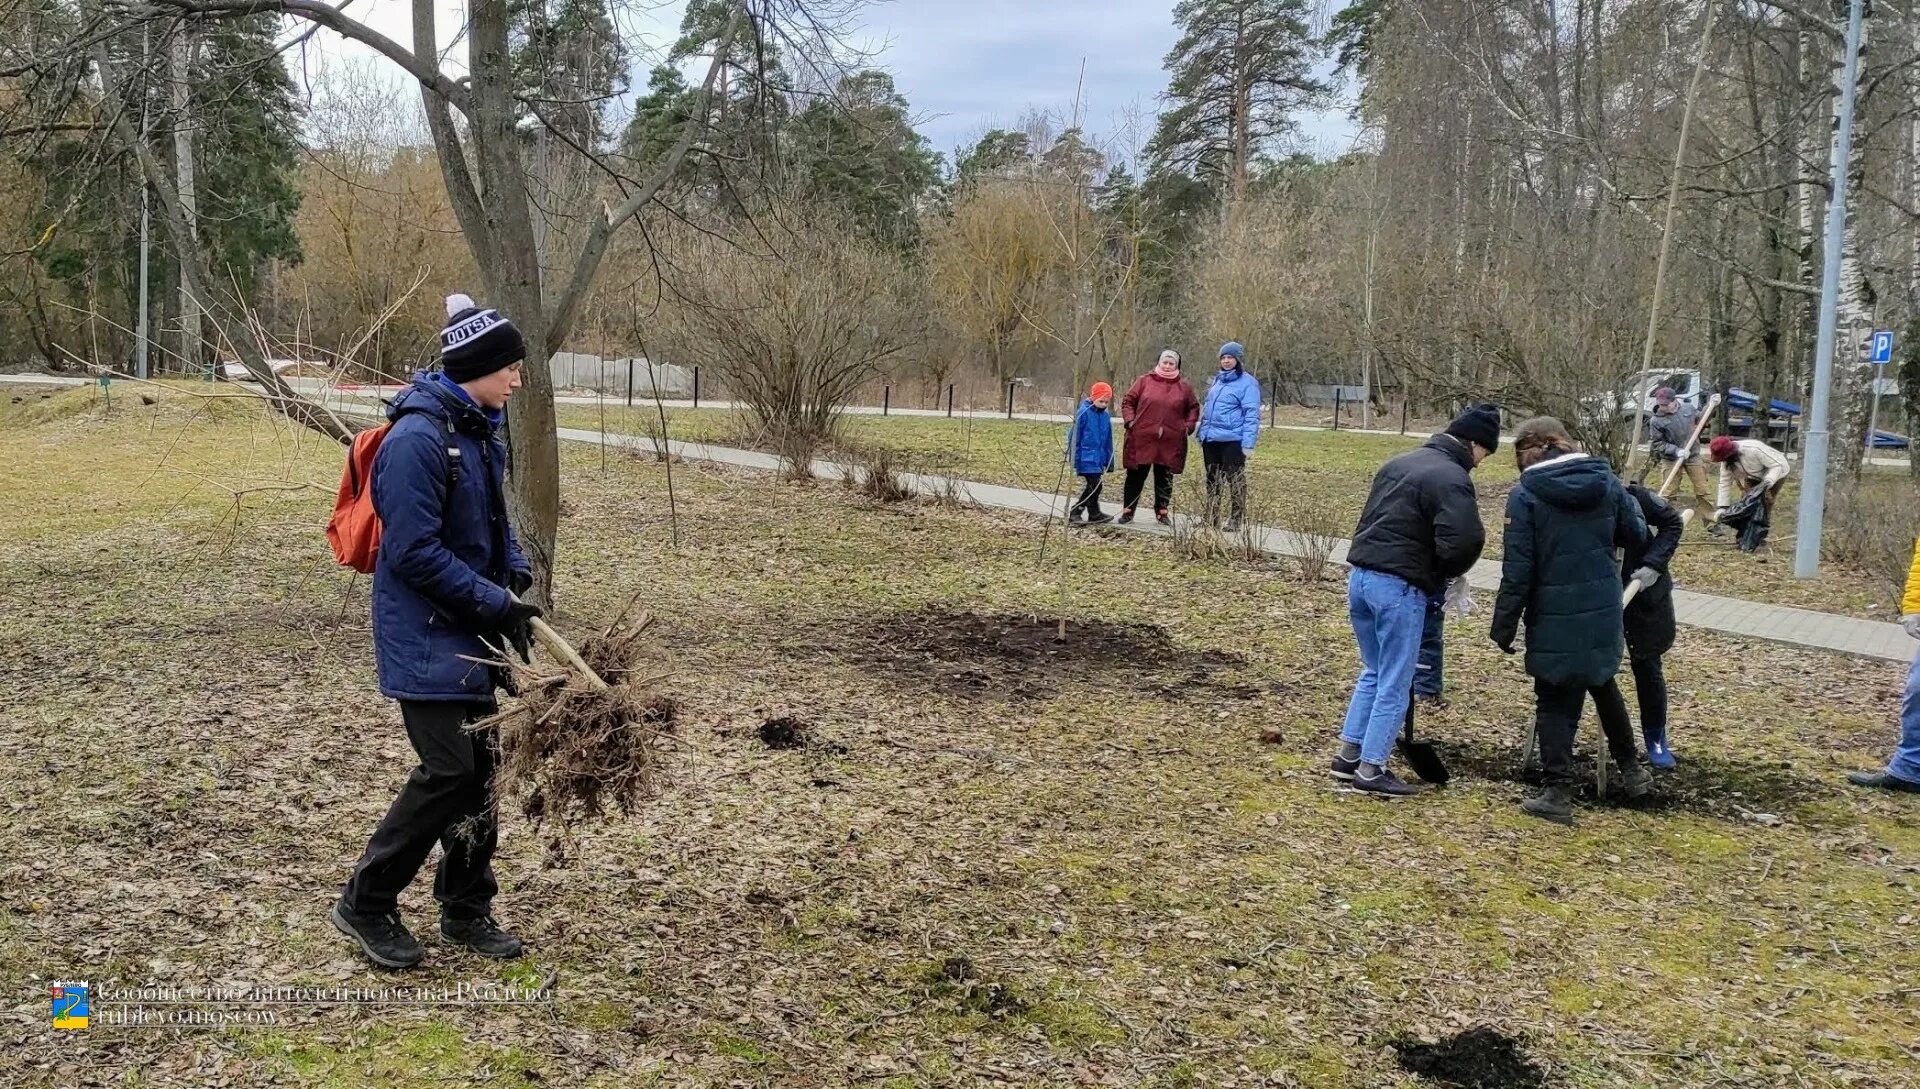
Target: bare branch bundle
x: 570, y: 748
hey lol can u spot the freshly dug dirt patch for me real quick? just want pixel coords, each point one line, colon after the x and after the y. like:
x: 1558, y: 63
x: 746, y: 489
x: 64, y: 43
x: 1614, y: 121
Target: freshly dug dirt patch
x: 1479, y: 1058
x: 784, y: 732
x: 1705, y: 782
x: 1012, y: 656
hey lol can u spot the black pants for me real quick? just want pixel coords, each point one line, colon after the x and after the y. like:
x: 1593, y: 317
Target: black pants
x: 1226, y: 471
x: 1650, y: 685
x: 446, y: 800
x: 1557, y: 718
x: 1137, y: 482
x: 1089, y: 501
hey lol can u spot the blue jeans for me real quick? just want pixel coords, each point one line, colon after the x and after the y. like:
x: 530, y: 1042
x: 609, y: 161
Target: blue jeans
x: 1906, y: 754
x: 1429, y: 674
x: 1388, y: 615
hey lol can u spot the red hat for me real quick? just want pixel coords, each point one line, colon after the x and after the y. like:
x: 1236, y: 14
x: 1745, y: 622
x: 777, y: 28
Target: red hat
x: 1721, y: 448
x: 1099, y: 390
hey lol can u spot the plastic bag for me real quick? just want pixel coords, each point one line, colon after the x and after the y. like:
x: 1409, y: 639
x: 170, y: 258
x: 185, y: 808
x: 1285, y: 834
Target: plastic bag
x: 1458, y: 602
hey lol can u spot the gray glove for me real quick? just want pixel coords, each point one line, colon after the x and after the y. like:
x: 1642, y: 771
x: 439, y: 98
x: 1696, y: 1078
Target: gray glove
x: 1645, y: 577
x: 1911, y: 622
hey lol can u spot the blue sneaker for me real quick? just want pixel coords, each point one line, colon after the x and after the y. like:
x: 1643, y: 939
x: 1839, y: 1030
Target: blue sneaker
x: 1660, y: 756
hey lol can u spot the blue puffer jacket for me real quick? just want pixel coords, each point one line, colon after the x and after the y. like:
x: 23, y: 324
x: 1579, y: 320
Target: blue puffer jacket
x: 1091, y: 441
x: 446, y: 554
x: 1232, y: 410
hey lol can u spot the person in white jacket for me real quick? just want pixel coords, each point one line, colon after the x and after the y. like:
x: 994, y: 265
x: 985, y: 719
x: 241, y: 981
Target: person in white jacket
x: 1746, y: 464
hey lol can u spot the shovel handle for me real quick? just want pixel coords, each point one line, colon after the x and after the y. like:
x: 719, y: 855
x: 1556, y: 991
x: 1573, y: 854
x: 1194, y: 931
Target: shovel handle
x: 564, y: 650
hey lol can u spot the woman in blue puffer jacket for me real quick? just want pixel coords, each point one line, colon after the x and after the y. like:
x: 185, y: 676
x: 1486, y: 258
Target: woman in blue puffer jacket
x: 1229, y: 426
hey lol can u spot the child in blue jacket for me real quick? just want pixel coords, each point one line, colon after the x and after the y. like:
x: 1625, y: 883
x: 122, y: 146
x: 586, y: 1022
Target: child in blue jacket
x: 1229, y: 426
x: 1090, y: 446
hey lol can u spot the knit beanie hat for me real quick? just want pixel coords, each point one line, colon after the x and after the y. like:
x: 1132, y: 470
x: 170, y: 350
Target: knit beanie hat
x: 476, y: 342
x: 1721, y: 448
x: 1663, y: 396
x: 1233, y: 348
x: 1477, y: 423
x: 1099, y: 390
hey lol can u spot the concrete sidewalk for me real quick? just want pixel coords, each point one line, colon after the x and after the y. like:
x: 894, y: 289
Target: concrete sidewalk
x: 1727, y: 615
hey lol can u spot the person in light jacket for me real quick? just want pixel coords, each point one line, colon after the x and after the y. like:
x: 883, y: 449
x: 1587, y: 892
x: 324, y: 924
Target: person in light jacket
x: 1229, y: 427
x: 1749, y: 465
x: 1670, y: 433
x: 1902, y: 772
x: 1564, y: 519
x: 1159, y: 411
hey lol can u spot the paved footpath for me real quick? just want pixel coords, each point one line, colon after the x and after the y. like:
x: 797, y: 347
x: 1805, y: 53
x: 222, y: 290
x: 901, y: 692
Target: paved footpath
x: 1732, y: 616
x: 1729, y: 615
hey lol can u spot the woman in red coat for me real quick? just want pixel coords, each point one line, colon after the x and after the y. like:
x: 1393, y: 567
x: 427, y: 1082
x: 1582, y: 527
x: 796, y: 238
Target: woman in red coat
x: 1159, y: 411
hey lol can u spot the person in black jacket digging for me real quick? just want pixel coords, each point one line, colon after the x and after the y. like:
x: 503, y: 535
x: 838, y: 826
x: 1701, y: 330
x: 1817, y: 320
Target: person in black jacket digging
x: 1649, y: 617
x: 1421, y: 527
x: 1564, y: 519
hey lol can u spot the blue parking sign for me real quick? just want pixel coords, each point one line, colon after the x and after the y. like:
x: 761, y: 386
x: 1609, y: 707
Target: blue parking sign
x: 1883, y: 346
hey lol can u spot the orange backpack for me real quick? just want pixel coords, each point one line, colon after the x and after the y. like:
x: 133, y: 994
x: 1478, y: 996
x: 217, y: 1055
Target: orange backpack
x: 354, y: 529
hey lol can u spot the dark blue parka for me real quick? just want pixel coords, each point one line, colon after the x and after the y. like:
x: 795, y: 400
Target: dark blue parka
x: 1564, y: 520
x: 447, y: 551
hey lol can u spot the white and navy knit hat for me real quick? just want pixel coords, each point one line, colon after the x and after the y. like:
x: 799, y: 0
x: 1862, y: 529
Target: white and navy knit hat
x: 477, y: 342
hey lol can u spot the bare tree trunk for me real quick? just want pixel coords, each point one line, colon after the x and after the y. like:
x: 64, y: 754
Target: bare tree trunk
x: 181, y: 64
x: 1852, y: 373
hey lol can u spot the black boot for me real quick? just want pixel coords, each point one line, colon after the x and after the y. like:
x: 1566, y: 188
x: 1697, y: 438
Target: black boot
x: 383, y: 938
x: 1555, y: 803
x: 481, y: 935
x: 1635, y: 781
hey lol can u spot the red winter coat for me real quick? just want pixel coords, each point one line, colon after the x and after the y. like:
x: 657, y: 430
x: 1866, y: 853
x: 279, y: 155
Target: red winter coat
x: 1159, y: 413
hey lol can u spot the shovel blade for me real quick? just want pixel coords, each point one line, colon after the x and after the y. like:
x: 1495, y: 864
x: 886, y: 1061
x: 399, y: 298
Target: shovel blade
x: 1425, y: 761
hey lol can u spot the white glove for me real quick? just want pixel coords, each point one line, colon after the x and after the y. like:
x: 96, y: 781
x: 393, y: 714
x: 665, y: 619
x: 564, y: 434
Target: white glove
x: 1458, y: 602
x: 1911, y: 622
x: 1647, y: 576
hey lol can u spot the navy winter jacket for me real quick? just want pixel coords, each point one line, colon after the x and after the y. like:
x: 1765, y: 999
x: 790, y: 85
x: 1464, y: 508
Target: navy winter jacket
x: 446, y: 549
x: 1091, y: 442
x: 1421, y: 522
x: 1232, y: 410
x: 1564, y: 519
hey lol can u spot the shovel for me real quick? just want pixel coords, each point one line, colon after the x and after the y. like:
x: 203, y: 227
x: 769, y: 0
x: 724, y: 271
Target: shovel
x: 1422, y: 756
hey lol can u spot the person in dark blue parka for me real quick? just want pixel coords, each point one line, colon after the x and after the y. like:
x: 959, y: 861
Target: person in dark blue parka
x: 1564, y: 519
x: 446, y: 602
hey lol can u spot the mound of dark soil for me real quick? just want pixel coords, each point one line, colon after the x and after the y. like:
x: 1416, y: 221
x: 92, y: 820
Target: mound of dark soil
x: 1479, y: 1058
x: 784, y: 733
x: 1006, y: 656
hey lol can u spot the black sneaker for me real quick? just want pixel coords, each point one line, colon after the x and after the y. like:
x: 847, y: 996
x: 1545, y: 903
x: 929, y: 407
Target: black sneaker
x: 1126, y: 517
x: 1343, y: 768
x: 481, y: 935
x: 1099, y: 519
x: 383, y: 938
x: 1880, y: 780
x: 1554, y: 803
x: 1384, y: 783
x: 1163, y: 517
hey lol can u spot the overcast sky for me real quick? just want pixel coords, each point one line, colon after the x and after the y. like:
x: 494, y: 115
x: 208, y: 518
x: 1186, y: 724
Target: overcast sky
x: 970, y: 65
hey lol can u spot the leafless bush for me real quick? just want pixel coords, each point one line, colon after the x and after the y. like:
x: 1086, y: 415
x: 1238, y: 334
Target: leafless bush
x: 1871, y: 525
x: 793, y: 326
x: 1317, y: 522
x: 874, y: 472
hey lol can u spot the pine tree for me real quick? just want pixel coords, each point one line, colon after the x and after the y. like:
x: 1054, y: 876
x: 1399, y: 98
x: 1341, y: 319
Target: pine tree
x: 858, y: 152
x: 1240, y: 74
x: 247, y: 150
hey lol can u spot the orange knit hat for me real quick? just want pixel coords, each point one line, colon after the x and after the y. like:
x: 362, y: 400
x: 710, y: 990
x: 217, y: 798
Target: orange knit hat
x: 1099, y: 390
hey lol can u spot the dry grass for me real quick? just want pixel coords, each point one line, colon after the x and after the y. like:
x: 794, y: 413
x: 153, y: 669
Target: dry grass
x: 974, y: 870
